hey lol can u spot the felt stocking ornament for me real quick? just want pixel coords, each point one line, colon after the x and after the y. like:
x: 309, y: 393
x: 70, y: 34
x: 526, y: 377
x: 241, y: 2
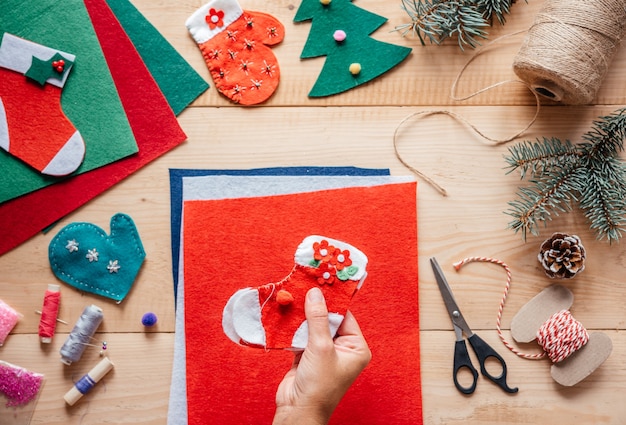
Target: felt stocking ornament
x: 33, y: 127
x: 272, y: 315
x: 234, y: 43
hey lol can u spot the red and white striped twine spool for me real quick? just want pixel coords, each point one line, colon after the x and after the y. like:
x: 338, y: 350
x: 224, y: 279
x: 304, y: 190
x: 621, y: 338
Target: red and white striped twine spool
x: 560, y: 336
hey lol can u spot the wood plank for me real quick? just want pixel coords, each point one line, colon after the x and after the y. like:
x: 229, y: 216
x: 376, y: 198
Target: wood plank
x: 136, y: 391
x: 468, y: 222
x: 540, y: 400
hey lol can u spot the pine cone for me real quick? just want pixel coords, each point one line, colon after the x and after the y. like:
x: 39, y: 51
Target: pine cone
x: 562, y: 256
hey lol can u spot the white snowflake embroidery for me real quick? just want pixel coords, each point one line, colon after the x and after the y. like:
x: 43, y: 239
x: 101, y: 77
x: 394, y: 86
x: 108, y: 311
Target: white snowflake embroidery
x: 232, y: 35
x: 245, y: 65
x: 92, y: 255
x: 256, y: 84
x: 272, y: 32
x: 72, y: 245
x: 248, y: 44
x: 113, y: 266
x: 268, y: 69
x: 215, y: 53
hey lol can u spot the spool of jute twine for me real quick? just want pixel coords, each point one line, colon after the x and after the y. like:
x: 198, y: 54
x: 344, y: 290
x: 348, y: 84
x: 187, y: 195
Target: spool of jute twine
x: 569, y: 48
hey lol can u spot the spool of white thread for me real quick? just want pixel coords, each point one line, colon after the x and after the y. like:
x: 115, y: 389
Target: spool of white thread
x: 84, y: 329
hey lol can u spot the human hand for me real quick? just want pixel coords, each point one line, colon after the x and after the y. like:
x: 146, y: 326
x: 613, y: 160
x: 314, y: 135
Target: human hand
x: 323, y: 372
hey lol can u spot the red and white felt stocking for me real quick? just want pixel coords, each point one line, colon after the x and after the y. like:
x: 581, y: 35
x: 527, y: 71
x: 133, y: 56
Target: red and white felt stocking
x: 33, y: 127
x: 234, y: 43
x: 272, y: 315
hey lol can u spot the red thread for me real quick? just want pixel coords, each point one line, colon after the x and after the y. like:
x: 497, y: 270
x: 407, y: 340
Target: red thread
x: 561, y: 335
x: 49, y: 313
x: 508, y: 345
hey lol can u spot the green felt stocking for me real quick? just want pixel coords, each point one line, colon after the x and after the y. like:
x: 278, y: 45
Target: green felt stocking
x: 341, y: 31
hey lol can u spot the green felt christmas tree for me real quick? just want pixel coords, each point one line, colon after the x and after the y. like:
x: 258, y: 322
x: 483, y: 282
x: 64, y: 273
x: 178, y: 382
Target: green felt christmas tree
x: 341, y: 32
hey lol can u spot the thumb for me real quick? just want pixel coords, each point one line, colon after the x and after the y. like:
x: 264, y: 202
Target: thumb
x: 316, y: 314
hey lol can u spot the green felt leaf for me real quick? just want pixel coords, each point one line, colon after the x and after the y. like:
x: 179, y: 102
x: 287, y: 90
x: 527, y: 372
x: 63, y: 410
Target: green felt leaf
x: 347, y: 272
x: 41, y: 70
x: 178, y: 81
x: 89, y: 98
x: 375, y: 57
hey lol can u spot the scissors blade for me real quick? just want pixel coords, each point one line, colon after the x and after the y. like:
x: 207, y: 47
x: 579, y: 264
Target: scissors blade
x: 448, y: 298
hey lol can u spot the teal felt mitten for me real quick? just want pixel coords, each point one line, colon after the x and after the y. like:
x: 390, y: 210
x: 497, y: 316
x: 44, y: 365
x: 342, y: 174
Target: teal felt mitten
x: 85, y: 257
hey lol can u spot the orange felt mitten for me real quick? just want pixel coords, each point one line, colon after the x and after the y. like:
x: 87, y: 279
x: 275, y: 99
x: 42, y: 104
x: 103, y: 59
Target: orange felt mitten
x: 234, y: 43
x: 272, y: 315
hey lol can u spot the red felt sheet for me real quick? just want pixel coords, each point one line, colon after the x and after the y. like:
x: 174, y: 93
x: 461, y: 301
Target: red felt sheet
x: 152, y: 121
x: 236, y: 243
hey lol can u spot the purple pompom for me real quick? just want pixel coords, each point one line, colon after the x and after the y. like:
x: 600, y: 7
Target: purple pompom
x: 149, y: 319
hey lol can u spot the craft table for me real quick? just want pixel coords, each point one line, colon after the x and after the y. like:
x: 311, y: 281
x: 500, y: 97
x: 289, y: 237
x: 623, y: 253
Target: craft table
x: 355, y: 128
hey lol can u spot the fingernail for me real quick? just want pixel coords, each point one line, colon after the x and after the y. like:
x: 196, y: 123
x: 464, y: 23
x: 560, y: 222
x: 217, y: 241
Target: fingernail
x: 315, y: 295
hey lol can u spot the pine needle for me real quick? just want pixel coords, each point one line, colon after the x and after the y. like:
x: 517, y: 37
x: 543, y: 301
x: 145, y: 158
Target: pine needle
x: 437, y: 20
x: 561, y: 174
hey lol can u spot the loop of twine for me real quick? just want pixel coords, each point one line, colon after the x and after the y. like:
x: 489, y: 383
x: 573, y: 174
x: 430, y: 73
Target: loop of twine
x: 507, y: 344
x: 453, y: 95
x: 560, y: 336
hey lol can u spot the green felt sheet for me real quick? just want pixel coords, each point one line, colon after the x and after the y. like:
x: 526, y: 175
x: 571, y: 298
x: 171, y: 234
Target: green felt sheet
x: 89, y: 99
x: 178, y: 81
x: 375, y: 57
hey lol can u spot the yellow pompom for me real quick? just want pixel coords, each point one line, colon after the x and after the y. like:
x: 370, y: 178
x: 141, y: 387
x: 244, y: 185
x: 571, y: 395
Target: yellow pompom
x: 355, y: 68
x: 325, y: 2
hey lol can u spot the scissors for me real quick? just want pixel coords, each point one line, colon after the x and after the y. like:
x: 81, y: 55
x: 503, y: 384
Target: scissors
x: 481, y: 348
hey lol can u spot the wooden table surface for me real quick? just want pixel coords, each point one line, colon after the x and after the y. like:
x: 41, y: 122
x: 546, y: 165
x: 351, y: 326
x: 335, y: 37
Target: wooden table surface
x: 355, y: 128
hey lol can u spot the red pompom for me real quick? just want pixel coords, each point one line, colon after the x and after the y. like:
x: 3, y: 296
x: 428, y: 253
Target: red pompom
x: 284, y: 297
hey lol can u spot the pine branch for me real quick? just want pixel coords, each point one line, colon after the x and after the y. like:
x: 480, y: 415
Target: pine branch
x: 437, y: 20
x: 541, y: 157
x: 603, y: 205
x: 497, y: 8
x: 606, y: 137
x: 590, y: 173
x: 550, y: 195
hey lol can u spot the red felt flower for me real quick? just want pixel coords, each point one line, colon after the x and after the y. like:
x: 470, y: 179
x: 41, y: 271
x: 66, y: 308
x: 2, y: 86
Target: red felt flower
x: 341, y: 259
x: 322, y: 251
x: 215, y: 18
x: 326, y: 274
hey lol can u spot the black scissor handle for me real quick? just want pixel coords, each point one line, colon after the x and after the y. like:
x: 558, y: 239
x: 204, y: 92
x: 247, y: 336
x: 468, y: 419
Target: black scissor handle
x: 483, y: 352
x: 462, y: 360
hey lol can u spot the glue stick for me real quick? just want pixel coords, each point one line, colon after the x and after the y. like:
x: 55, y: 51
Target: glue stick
x: 87, y: 382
